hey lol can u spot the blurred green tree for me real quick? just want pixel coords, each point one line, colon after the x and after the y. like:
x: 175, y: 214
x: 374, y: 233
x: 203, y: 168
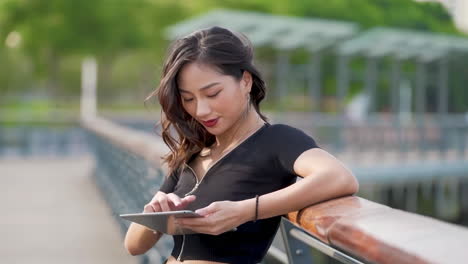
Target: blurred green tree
x: 53, y: 29
x: 126, y: 35
x: 426, y: 16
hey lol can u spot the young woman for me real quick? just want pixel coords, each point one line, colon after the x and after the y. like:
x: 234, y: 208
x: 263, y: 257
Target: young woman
x: 226, y: 161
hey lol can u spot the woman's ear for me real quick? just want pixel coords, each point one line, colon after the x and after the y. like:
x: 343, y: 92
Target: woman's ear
x: 246, y: 81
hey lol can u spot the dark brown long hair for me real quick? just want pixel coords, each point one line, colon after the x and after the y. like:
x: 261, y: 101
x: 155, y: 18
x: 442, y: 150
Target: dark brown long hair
x: 229, y: 52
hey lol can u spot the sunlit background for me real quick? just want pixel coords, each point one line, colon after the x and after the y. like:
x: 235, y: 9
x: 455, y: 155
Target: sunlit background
x: 381, y: 84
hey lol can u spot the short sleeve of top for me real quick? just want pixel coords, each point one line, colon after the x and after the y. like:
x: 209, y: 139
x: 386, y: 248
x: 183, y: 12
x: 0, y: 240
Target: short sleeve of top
x: 170, y: 182
x: 288, y: 144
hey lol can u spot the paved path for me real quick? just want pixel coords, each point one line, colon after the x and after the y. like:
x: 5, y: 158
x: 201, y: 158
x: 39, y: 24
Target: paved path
x: 53, y: 213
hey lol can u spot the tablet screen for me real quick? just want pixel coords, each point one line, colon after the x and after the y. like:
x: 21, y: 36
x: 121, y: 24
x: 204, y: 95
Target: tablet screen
x: 161, y: 221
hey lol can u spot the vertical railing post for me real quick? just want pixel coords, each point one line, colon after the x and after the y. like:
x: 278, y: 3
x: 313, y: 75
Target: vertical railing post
x: 420, y: 107
x: 395, y: 86
x: 282, y: 77
x: 370, y: 82
x: 443, y: 93
x: 314, y: 80
x: 342, y: 92
x: 342, y: 82
x: 298, y: 252
x: 299, y: 246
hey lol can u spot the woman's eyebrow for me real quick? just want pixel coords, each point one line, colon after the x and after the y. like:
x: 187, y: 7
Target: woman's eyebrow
x: 203, y: 88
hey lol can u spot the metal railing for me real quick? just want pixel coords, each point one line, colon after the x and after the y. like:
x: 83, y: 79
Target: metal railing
x: 399, y: 138
x: 298, y: 243
x: 45, y: 139
x: 128, y: 174
x: 383, y: 138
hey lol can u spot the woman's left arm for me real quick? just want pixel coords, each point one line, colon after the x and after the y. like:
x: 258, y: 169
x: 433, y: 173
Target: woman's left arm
x: 325, y: 177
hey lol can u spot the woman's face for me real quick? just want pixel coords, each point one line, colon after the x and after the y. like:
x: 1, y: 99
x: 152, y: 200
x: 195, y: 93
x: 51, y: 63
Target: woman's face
x: 208, y: 95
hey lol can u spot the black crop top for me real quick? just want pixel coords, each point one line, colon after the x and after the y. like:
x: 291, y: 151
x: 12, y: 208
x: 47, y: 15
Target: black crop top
x: 261, y: 164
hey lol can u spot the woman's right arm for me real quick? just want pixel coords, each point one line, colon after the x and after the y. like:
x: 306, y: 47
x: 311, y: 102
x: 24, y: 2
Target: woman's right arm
x: 139, y: 239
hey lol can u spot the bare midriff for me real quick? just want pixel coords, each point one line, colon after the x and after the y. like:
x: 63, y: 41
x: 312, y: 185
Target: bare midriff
x: 172, y: 260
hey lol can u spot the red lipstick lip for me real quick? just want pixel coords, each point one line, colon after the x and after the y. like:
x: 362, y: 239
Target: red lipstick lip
x: 211, y: 122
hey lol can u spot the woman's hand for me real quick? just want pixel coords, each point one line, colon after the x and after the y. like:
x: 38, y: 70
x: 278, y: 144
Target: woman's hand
x: 139, y: 239
x: 219, y: 217
x: 163, y: 202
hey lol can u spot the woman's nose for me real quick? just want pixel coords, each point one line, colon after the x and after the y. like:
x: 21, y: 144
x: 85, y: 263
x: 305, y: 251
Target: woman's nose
x: 203, y: 109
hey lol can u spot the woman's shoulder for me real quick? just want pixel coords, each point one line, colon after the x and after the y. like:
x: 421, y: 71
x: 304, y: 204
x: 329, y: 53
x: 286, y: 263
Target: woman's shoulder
x: 280, y: 129
x: 283, y: 134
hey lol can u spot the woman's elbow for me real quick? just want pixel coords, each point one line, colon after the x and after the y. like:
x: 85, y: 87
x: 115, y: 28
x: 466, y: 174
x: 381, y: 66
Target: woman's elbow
x: 351, y: 184
x: 139, y: 239
x: 348, y: 184
x: 134, y: 246
x: 133, y: 250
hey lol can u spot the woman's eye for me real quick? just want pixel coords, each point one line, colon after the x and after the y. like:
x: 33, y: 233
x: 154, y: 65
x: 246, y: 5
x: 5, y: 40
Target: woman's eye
x: 187, y: 100
x: 214, y: 95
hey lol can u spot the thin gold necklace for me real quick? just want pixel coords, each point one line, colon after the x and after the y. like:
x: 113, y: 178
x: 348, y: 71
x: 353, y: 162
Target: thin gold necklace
x: 205, y: 152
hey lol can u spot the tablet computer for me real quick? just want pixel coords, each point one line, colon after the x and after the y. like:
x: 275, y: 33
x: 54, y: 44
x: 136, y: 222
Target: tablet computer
x: 162, y: 221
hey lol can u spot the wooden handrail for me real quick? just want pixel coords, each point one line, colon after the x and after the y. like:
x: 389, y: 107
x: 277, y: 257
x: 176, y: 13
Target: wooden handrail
x: 381, y: 234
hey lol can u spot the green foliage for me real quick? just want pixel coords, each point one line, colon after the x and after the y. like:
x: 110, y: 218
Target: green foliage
x: 368, y: 13
x: 70, y: 27
x: 53, y: 30
x: 127, y: 37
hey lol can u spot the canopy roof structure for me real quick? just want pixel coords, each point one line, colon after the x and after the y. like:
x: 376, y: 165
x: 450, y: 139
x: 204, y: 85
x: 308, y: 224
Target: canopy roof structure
x: 421, y: 48
x: 403, y: 44
x: 286, y: 34
x: 280, y: 32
